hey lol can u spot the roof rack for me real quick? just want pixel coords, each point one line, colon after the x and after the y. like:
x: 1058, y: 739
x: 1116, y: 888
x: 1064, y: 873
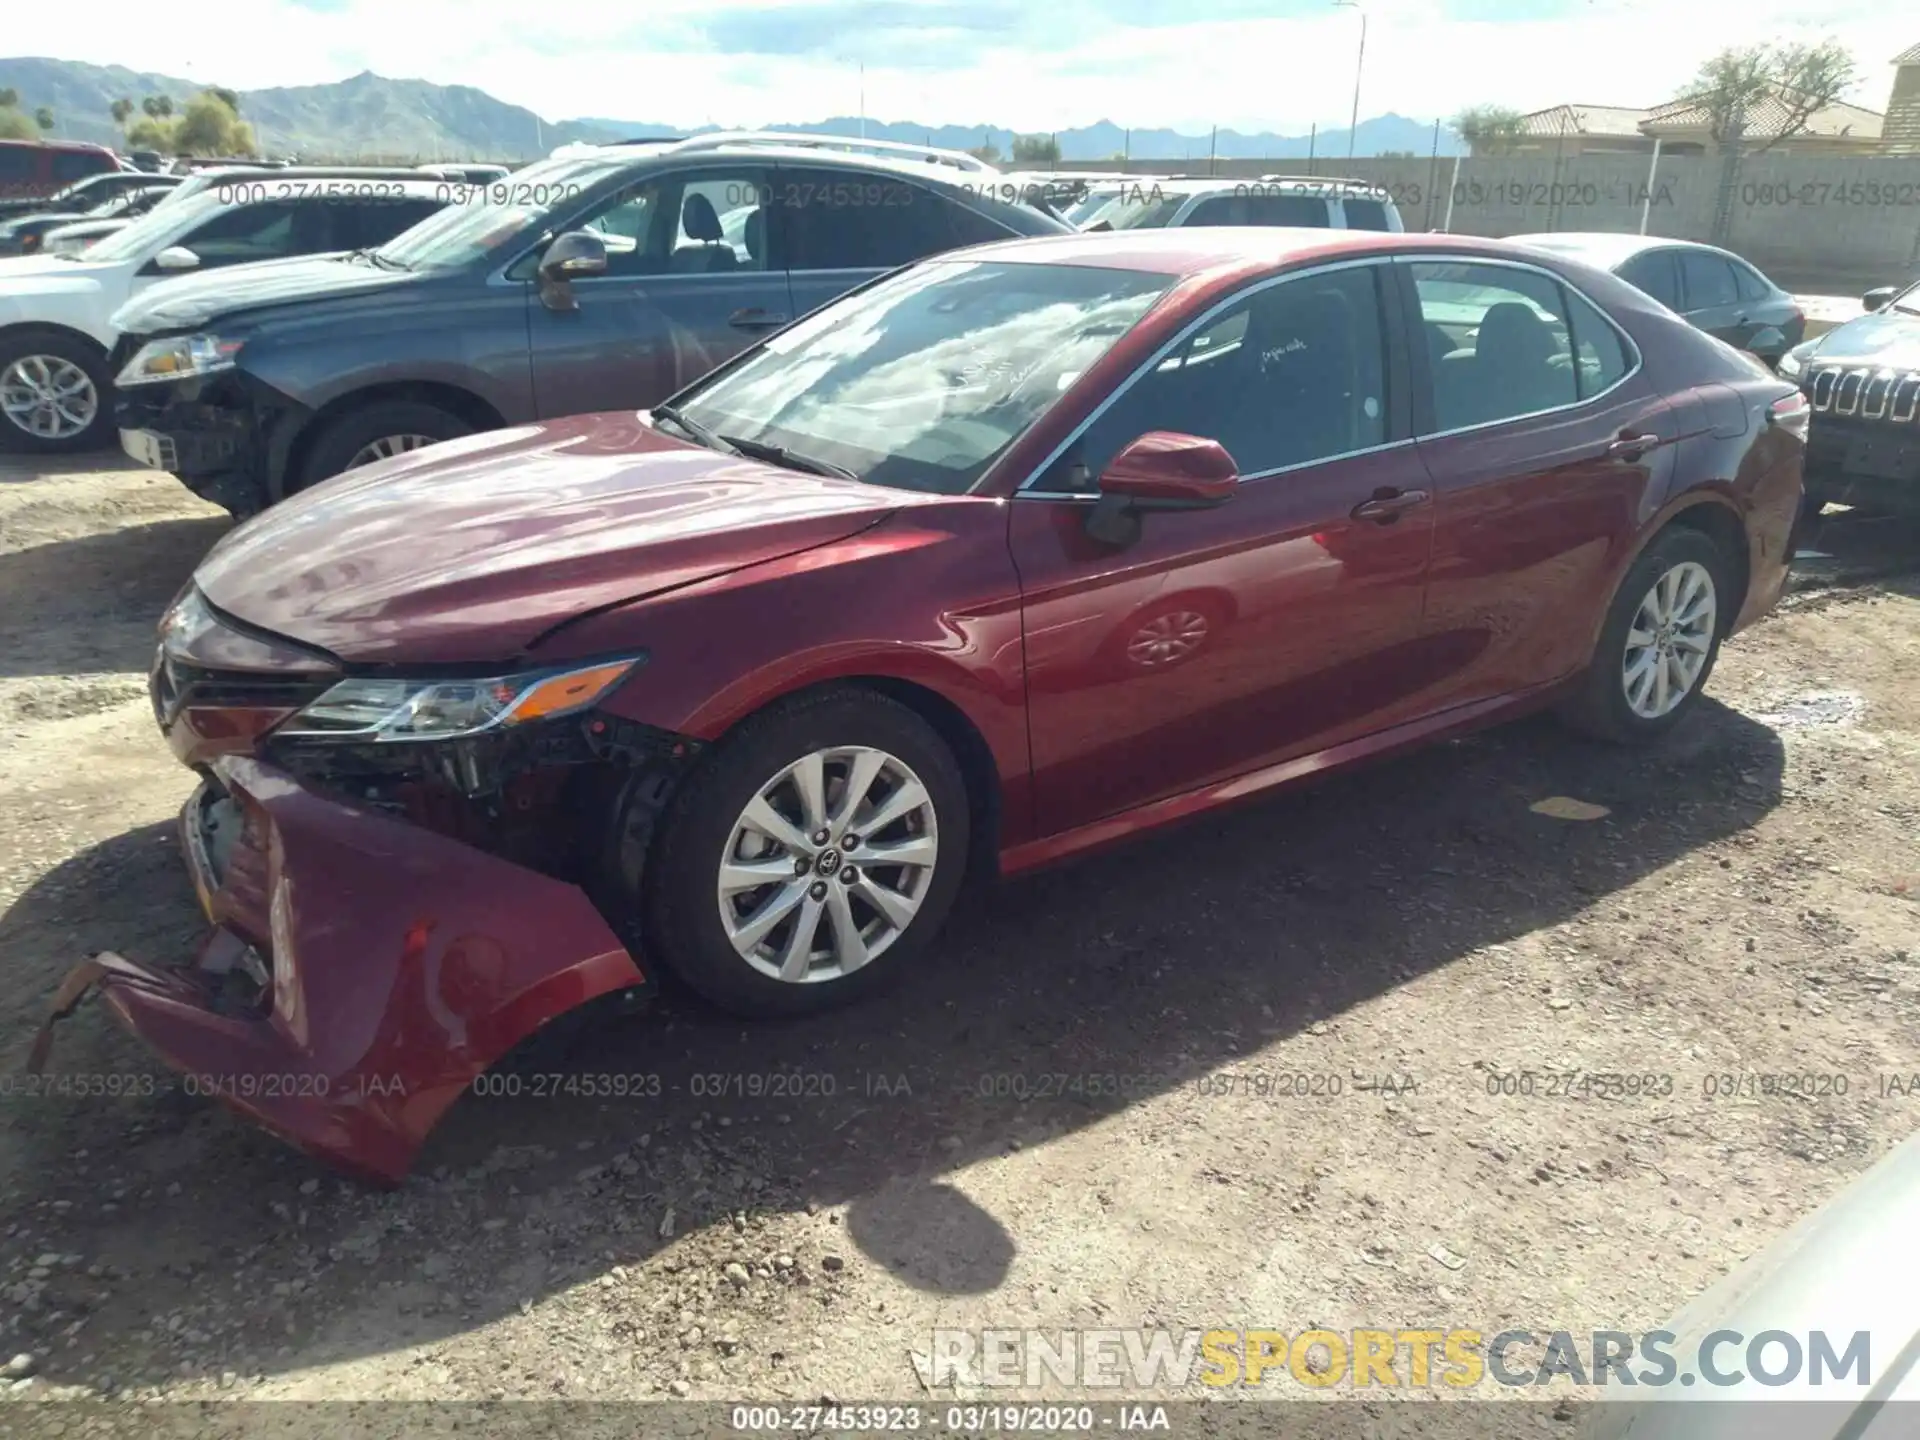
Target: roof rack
x: 959, y: 159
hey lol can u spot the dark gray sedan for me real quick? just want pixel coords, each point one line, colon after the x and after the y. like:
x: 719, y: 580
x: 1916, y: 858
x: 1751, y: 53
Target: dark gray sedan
x: 1716, y: 291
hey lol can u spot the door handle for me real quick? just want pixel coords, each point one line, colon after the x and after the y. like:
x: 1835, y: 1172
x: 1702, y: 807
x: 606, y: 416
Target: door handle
x: 1386, y: 505
x: 1631, y: 447
x: 755, y: 318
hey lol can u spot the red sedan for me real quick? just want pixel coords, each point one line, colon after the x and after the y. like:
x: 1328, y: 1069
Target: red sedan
x: 1002, y: 557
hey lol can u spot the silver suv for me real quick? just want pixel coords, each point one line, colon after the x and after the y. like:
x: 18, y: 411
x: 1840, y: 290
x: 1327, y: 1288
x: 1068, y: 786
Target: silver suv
x: 1318, y: 202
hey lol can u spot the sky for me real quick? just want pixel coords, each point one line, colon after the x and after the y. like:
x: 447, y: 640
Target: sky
x: 1036, y: 65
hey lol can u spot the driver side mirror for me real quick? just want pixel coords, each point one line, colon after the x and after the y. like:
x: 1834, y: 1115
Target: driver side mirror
x: 1162, y: 470
x: 176, y: 258
x: 572, y: 256
x: 1878, y: 299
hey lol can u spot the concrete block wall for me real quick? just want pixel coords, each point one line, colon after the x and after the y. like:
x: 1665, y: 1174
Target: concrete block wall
x: 1816, y: 224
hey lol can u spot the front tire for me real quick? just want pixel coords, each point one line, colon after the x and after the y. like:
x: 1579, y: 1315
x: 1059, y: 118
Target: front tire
x: 375, y: 432
x: 1660, y: 641
x: 811, y: 857
x: 55, y: 394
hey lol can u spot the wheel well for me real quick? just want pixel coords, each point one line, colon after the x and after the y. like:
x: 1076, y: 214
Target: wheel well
x: 64, y: 332
x: 1729, y: 537
x: 468, y: 406
x: 969, y: 748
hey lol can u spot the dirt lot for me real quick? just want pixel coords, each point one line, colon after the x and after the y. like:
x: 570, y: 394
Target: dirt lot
x: 1748, y: 904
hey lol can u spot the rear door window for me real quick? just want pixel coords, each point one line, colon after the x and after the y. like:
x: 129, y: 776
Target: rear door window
x: 1652, y: 273
x: 1707, y: 280
x: 1752, y: 287
x: 1219, y: 210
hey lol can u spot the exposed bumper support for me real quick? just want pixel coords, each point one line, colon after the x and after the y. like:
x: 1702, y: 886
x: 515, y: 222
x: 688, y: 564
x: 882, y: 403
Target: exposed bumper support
x: 397, y: 964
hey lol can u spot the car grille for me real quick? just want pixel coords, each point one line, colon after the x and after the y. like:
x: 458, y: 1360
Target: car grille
x: 175, y: 683
x: 1865, y: 392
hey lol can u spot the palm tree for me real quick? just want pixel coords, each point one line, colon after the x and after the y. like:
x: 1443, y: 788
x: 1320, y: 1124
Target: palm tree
x: 43, y: 117
x: 9, y: 98
x: 121, y: 110
x: 158, y: 107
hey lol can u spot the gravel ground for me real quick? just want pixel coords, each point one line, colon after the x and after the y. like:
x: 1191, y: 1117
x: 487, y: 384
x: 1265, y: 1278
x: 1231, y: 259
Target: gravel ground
x: 1411, y: 932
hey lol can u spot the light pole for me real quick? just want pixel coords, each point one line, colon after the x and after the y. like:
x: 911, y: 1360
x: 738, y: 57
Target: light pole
x: 1359, y: 64
x: 861, y: 67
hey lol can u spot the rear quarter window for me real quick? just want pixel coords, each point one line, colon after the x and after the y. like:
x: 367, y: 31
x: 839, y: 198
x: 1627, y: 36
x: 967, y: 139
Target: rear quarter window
x: 1366, y: 214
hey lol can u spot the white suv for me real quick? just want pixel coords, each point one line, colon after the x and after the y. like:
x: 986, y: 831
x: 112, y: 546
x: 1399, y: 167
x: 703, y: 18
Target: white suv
x: 1146, y: 202
x: 55, y: 330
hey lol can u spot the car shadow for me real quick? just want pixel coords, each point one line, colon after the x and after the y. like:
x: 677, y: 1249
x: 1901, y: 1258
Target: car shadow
x: 89, y: 604
x: 1050, y: 1004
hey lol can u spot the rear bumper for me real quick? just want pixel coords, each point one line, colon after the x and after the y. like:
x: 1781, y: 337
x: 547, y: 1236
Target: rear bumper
x: 361, y: 972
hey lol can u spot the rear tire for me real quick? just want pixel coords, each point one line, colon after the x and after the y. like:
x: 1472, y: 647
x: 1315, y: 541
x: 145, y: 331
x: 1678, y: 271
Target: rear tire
x: 1660, y: 641
x: 837, y: 899
x: 33, y: 362
x: 395, y: 425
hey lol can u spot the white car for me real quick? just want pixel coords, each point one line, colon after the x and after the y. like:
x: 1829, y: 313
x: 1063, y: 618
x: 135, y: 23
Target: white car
x: 55, y: 309
x: 1152, y: 202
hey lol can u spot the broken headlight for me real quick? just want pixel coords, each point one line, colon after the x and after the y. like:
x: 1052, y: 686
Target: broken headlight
x: 178, y: 357
x: 380, y: 709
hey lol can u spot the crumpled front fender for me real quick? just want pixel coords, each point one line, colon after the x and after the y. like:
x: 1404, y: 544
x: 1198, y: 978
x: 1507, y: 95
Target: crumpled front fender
x: 397, y: 966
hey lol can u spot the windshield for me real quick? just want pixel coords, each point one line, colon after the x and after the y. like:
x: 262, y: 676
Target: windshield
x: 1907, y: 302
x: 923, y: 380
x: 481, y: 219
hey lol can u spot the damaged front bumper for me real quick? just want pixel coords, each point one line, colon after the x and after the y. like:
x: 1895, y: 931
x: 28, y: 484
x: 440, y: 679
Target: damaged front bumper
x: 226, y: 437
x: 361, y: 972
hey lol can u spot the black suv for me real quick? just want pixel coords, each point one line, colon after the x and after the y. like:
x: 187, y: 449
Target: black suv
x: 601, y: 279
x: 1863, y: 381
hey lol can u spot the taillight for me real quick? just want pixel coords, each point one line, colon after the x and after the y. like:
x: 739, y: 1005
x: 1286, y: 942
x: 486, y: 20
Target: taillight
x: 1791, y: 413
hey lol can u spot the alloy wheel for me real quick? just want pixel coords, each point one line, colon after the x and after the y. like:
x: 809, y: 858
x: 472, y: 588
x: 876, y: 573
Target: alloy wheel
x: 828, y: 864
x: 386, y: 447
x: 1669, y: 640
x: 1168, y: 637
x: 48, y: 397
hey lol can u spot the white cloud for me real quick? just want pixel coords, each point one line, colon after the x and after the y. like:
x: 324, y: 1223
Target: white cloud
x: 1278, y: 74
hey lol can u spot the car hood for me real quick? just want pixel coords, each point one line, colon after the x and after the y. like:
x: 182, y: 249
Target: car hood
x: 192, y: 301
x: 469, y: 551
x: 1889, y: 337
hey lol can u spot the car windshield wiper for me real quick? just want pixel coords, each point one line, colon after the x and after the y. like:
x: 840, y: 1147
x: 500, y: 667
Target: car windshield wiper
x: 693, y: 429
x: 781, y: 455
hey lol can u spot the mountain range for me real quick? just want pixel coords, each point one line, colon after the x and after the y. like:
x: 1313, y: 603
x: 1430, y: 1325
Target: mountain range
x: 370, y: 116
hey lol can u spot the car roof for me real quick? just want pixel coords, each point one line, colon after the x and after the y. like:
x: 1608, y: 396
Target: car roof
x: 85, y: 145
x: 1215, y: 250
x: 986, y: 178
x: 1606, y: 249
